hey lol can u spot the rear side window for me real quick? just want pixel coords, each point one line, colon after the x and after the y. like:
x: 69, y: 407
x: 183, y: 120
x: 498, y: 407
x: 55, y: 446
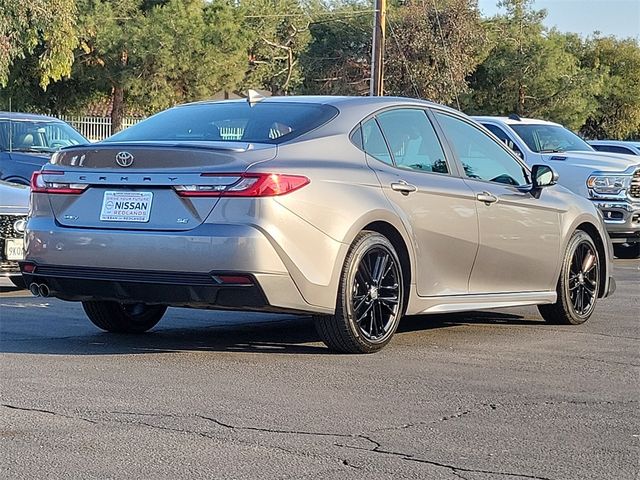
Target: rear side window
x: 230, y: 122
x: 373, y: 142
x: 412, y: 140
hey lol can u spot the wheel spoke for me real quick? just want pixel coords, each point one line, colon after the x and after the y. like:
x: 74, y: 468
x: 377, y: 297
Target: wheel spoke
x: 364, y: 314
x: 360, y: 299
x: 365, y: 271
x: 380, y: 267
x: 379, y: 319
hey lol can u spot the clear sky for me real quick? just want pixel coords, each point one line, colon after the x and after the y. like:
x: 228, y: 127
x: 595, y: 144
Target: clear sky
x: 610, y: 17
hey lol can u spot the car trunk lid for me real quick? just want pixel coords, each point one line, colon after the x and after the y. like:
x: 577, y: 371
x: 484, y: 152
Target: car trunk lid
x: 143, y: 194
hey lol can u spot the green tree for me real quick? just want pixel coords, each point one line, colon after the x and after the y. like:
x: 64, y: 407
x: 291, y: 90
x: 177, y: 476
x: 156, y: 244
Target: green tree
x: 338, y: 58
x: 532, y: 71
x: 25, y: 25
x: 279, y: 33
x: 150, y: 55
x: 618, y: 104
x: 432, y: 47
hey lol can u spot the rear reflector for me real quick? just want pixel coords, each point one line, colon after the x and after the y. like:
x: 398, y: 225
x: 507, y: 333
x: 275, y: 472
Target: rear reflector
x: 234, y: 279
x: 38, y: 184
x: 249, y: 185
x: 28, y: 267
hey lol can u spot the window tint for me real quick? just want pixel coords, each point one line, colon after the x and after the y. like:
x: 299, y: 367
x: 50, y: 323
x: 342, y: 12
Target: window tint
x: 37, y: 136
x: 481, y: 156
x: 543, y: 138
x: 498, y: 132
x: 413, y: 140
x: 374, y: 143
x: 614, y: 149
x: 265, y: 122
x: 356, y: 137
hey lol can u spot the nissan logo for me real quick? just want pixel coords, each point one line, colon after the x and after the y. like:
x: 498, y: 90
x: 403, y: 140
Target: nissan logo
x: 124, y: 159
x: 20, y: 225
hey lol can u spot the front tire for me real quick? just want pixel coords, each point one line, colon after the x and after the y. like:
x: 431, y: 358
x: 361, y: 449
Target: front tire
x: 116, y: 317
x: 370, y: 298
x: 628, y: 251
x: 578, y: 285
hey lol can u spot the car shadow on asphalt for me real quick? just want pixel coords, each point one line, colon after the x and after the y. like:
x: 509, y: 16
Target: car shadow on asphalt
x: 282, y: 335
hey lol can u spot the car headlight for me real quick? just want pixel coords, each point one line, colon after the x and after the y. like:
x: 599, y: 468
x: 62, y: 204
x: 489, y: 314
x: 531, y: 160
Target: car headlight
x: 608, y: 184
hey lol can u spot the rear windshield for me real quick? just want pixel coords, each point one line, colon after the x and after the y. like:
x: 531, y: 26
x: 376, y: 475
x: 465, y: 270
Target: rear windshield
x: 230, y: 122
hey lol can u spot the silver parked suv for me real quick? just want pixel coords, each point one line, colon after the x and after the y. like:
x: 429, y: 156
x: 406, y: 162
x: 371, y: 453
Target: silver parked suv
x: 355, y: 210
x: 610, y: 180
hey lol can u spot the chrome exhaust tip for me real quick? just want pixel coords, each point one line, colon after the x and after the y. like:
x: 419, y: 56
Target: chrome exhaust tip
x: 34, y: 289
x: 43, y: 290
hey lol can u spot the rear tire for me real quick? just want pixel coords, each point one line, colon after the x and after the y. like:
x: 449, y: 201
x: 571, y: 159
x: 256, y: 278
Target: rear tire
x: 628, y: 251
x: 578, y: 285
x: 123, y: 318
x: 370, y: 298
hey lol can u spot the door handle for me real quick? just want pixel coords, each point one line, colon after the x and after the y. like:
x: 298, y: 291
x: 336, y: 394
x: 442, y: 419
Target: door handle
x: 486, y: 197
x: 403, y: 187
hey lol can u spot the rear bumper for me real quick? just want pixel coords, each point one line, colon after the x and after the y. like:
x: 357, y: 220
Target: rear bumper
x: 170, y: 268
x: 152, y: 287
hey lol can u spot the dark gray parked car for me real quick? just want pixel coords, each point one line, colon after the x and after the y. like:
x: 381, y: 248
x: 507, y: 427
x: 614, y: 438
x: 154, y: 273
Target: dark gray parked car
x: 355, y: 210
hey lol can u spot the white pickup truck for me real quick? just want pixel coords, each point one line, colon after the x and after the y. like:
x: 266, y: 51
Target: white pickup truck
x: 611, y: 181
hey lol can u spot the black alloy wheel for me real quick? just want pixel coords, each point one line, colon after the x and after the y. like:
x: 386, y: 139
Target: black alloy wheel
x: 375, y: 302
x: 583, y: 278
x: 370, y: 299
x: 578, y: 287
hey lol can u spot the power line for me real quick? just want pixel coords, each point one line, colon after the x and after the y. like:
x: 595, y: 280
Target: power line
x: 405, y: 60
x: 447, y: 63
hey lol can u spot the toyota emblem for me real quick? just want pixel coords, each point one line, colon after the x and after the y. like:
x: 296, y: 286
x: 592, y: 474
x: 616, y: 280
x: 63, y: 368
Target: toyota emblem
x: 124, y: 159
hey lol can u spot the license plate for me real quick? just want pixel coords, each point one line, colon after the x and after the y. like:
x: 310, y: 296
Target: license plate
x: 126, y: 206
x: 14, y: 249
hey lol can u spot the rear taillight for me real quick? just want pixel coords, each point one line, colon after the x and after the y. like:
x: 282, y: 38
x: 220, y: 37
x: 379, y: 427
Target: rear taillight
x: 248, y: 185
x: 39, y: 185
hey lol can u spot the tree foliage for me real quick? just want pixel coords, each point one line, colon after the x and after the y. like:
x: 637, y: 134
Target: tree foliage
x: 57, y: 56
x: 338, y: 59
x: 27, y: 25
x: 432, y: 48
x: 279, y: 31
x: 531, y: 71
x: 617, y: 112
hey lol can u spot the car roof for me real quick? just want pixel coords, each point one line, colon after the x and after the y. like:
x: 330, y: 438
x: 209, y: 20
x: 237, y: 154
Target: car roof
x: 334, y: 100
x: 18, y: 116
x: 622, y: 143
x: 513, y: 121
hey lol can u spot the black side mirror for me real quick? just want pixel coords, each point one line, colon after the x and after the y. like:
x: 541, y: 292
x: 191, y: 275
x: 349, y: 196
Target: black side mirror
x: 543, y: 176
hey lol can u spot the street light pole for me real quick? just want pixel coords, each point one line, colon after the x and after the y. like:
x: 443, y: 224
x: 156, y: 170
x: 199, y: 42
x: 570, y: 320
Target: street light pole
x: 377, y: 52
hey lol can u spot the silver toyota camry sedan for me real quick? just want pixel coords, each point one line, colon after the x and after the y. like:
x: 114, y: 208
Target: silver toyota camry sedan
x: 355, y: 210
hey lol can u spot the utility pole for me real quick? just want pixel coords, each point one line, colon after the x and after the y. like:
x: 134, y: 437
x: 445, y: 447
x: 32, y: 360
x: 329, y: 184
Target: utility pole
x: 377, y: 52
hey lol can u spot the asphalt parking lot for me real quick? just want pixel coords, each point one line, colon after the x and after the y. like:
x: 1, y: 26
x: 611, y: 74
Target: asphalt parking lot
x: 485, y: 395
